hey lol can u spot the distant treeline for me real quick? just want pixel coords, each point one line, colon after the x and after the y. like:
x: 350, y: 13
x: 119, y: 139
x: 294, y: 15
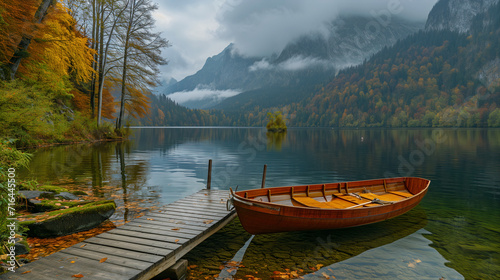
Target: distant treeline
x: 429, y: 79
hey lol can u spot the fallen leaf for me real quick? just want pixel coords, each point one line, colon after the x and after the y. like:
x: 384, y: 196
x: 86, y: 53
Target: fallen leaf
x: 83, y: 245
x: 176, y: 229
x: 150, y: 219
x: 325, y: 275
x: 418, y: 261
x: 208, y: 222
x: 177, y: 240
x: 77, y: 276
x: 27, y: 271
x: 103, y: 260
x: 412, y: 265
x: 72, y: 261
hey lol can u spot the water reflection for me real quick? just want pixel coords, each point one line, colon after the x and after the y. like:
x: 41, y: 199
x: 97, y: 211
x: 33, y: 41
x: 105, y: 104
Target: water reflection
x: 275, y: 140
x: 407, y: 258
x: 301, y: 252
x: 162, y: 165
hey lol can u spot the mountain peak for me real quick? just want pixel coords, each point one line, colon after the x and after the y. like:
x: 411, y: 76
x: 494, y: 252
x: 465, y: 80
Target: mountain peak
x: 456, y: 15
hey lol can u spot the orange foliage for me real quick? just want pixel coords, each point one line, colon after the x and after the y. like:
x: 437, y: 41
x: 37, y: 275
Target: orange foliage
x: 16, y: 18
x: 137, y: 102
x: 81, y: 102
x: 108, y: 102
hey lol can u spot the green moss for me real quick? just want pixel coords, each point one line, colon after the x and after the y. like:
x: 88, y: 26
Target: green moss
x: 67, y: 221
x: 105, y: 204
x: 55, y: 189
x: 51, y: 205
x: 26, y: 223
x: 79, y: 193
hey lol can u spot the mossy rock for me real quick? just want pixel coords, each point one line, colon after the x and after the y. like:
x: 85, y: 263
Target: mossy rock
x: 79, y: 193
x: 54, y: 189
x: 71, y: 220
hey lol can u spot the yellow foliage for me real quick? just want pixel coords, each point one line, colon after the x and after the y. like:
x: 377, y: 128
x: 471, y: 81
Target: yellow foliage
x: 66, y: 50
x: 61, y: 47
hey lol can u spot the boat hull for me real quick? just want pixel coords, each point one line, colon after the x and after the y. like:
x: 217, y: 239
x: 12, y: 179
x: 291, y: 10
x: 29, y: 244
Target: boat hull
x: 263, y: 217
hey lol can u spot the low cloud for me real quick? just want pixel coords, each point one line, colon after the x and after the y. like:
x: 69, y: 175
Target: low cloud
x: 299, y: 62
x: 200, y: 93
x: 292, y: 64
x: 263, y: 27
x: 260, y: 65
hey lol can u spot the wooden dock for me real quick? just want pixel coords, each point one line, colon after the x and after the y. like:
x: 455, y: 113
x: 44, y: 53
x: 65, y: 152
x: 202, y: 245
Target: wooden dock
x: 140, y: 249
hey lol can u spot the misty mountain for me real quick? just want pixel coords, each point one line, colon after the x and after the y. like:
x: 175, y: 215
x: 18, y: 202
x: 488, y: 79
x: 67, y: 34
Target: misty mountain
x: 307, y: 61
x: 164, y: 84
x: 456, y: 15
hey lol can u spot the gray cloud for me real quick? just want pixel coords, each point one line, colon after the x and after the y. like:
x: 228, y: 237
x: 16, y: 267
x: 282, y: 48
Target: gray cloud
x: 201, y: 93
x: 262, y: 27
x: 198, y: 29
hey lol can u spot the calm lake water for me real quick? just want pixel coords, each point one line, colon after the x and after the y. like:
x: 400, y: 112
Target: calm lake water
x: 453, y: 234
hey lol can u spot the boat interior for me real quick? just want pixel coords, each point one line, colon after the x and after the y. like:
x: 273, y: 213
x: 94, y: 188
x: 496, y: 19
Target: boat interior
x: 344, y: 195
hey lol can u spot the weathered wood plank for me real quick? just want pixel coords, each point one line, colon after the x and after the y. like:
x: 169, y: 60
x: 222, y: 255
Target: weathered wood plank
x: 211, y: 199
x: 132, y: 255
x: 128, y: 246
x: 170, y: 227
x: 169, y: 212
x: 139, y: 240
x: 180, y: 215
x: 118, y: 260
x: 158, y: 228
x: 198, y: 207
x: 92, y: 268
x: 150, y: 236
x: 169, y: 224
x: 140, y: 249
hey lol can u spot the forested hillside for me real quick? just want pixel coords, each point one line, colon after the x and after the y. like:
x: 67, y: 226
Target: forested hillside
x: 432, y: 78
x: 60, y: 60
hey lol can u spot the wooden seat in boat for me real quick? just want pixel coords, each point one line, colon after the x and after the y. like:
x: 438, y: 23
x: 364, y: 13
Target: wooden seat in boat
x: 382, y: 197
x: 310, y: 202
x: 405, y: 194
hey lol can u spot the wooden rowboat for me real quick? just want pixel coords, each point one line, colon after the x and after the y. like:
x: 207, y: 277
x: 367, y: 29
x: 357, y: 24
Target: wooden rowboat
x: 327, y: 206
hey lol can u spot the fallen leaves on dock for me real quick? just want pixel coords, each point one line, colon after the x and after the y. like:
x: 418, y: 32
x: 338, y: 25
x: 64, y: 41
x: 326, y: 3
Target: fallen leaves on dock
x: 208, y: 222
x: 103, y: 260
x: 42, y: 247
x: 77, y: 276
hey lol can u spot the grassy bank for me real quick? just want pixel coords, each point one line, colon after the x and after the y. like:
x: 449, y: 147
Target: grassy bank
x: 30, y: 118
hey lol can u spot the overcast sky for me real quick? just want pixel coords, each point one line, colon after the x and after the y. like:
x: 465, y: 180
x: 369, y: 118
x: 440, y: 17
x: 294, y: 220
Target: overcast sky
x: 198, y: 29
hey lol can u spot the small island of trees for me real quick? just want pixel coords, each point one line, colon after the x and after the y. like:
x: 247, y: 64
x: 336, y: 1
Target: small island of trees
x: 277, y: 123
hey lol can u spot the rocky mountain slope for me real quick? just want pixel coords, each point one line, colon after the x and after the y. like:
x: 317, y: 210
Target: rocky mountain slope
x: 456, y: 15
x: 308, y: 61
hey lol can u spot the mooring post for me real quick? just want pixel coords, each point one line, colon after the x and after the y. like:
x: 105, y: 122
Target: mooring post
x: 209, y: 179
x: 264, y: 177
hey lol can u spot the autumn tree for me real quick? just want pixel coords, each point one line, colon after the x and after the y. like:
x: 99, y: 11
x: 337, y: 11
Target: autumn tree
x: 141, y: 49
x: 15, y: 20
x: 21, y: 50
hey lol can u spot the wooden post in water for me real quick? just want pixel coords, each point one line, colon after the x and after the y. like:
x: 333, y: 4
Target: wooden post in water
x: 209, y: 179
x: 264, y: 177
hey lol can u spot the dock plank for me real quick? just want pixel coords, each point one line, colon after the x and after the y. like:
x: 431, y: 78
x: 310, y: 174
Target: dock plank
x: 141, y: 248
x: 113, y: 251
